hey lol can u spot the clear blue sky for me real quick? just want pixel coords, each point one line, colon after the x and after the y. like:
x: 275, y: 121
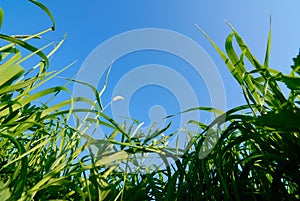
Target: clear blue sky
x: 90, y: 23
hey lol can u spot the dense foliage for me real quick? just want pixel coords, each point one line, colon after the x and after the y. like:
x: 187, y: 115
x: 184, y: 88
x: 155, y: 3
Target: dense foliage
x: 44, y: 157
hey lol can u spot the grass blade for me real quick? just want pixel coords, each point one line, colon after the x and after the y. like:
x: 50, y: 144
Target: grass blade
x: 46, y: 10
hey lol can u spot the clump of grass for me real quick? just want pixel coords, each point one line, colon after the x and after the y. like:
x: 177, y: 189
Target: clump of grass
x: 257, y: 156
x: 44, y: 157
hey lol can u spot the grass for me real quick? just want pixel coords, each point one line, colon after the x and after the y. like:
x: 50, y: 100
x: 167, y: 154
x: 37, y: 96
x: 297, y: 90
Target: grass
x: 257, y: 155
x: 45, y: 157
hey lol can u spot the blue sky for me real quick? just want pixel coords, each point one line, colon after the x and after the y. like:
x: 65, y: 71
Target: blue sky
x: 93, y: 22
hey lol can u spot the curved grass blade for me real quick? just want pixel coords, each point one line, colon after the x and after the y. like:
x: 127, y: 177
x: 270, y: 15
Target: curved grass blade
x: 221, y: 53
x: 243, y: 76
x: 44, y: 8
x: 48, y: 55
x: 209, y: 109
x: 26, y: 46
x: 94, y: 89
x: 266, y: 74
x: 31, y: 98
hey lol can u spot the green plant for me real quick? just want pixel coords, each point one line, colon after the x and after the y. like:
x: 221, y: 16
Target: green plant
x: 257, y: 156
x: 44, y: 157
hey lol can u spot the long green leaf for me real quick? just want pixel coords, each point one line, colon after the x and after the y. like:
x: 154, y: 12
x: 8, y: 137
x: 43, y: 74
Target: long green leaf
x: 1, y: 17
x: 266, y: 74
x: 26, y: 46
x: 44, y: 8
x: 222, y: 54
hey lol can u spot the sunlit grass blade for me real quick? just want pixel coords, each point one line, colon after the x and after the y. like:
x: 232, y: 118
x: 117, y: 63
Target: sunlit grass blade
x: 46, y: 10
x: 1, y: 17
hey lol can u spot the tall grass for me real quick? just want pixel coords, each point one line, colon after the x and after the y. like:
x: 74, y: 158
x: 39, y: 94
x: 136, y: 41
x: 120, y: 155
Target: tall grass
x: 45, y: 157
x: 258, y: 154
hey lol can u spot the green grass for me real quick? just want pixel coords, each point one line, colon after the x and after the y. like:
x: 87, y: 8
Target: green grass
x: 44, y: 157
x: 258, y: 154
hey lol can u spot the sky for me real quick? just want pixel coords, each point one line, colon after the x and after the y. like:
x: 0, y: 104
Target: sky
x: 155, y: 73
